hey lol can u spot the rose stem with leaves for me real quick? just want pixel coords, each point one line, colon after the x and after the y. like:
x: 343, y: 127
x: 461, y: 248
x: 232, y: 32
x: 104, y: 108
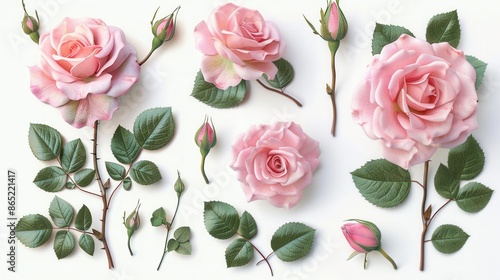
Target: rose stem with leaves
x: 264, y: 258
x: 105, y: 206
x: 279, y: 91
x: 330, y: 90
x: 169, y: 227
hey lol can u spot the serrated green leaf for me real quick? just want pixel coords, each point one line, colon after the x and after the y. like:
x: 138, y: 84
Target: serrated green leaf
x: 182, y: 234
x: 221, y: 219
x: 116, y: 171
x: 83, y: 220
x: 45, y: 142
x: 33, y: 230
x: 212, y: 96
x: 64, y: 244
x: 448, y: 239
x: 127, y: 184
x: 466, y: 161
x: 479, y: 67
x: 124, y: 145
x: 159, y: 217
x: 69, y: 185
x: 184, y: 248
x: 145, y: 172
x: 172, y: 245
x: 284, y: 76
x: 444, y: 27
x: 86, y: 242
x: 446, y: 184
x: 382, y: 183
x: 51, y: 179
x: 248, y: 226
x: 73, y: 156
x: 386, y: 34
x: 239, y: 253
x: 292, y: 241
x: 84, y: 177
x: 154, y: 128
x: 61, y: 212
x: 473, y: 197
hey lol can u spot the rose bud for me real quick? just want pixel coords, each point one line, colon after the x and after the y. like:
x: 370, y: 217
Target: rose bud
x: 205, y: 138
x: 164, y: 28
x: 132, y: 223
x: 30, y: 25
x: 364, y: 237
x: 333, y: 22
x: 179, y: 185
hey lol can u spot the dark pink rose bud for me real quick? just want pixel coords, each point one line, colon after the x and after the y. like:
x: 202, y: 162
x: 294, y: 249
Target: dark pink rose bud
x: 334, y: 22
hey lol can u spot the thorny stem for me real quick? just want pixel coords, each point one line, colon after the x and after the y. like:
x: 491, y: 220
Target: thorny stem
x: 165, y: 249
x: 425, y: 221
x: 280, y: 91
x: 105, y: 205
x: 264, y: 258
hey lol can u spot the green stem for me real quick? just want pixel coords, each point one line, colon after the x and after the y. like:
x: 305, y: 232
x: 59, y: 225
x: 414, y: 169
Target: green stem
x: 165, y: 249
x: 330, y: 90
x: 202, y: 167
x: 280, y: 92
x: 394, y: 265
x: 129, y: 247
x: 264, y: 258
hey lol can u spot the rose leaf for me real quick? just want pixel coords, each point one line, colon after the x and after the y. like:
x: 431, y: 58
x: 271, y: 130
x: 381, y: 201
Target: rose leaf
x: 159, y: 218
x: 466, y: 161
x: 64, y: 244
x: 86, y: 242
x: 444, y: 27
x: 212, y: 96
x: 124, y: 146
x: 386, y: 34
x: 45, y: 142
x: 448, y: 239
x: 480, y: 68
x: 33, y: 230
x: 73, y: 156
x: 284, y: 76
x: 50, y: 179
x: 145, y: 172
x: 473, y: 197
x: 446, y: 184
x: 83, y: 220
x: 221, y: 219
x: 84, y: 177
x: 292, y: 241
x: 154, y: 128
x: 116, y: 171
x: 239, y: 253
x: 61, y: 212
x: 248, y: 226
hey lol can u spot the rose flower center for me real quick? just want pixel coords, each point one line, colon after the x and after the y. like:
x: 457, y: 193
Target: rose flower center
x: 276, y: 165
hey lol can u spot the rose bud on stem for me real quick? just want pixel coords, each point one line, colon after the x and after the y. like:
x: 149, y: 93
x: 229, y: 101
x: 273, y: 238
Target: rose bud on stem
x: 205, y: 138
x: 30, y: 25
x: 333, y: 29
x: 364, y: 237
x: 132, y: 223
x: 163, y: 30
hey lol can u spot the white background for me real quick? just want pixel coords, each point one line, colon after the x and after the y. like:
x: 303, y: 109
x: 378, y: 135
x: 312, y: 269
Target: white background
x: 167, y: 79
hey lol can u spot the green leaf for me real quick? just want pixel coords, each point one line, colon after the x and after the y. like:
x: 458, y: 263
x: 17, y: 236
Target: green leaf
x: 33, y: 230
x: 448, y: 239
x: 382, y: 183
x: 127, y: 184
x: 124, y: 145
x: 159, y: 218
x: 292, y: 241
x: 446, y: 184
x: 466, y: 161
x: 221, y: 219
x: 154, y: 128
x: 50, y: 179
x: 69, y: 185
x: 84, y: 177
x: 116, y: 171
x: 83, y: 220
x: 212, y: 96
x: 45, y: 142
x: 473, y: 197
x: 386, y: 34
x: 64, y: 243
x: 444, y: 28
x: 172, y: 245
x: 61, y: 212
x: 86, y: 242
x: 479, y: 67
x: 248, y: 226
x: 73, y: 156
x: 284, y: 76
x: 184, y: 248
x: 182, y: 234
x: 239, y: 253
x: 145, y: 172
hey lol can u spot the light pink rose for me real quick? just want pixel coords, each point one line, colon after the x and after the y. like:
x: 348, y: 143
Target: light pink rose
x: 85, y: 66
x: 417, y: 97
x: 275, y: 162
x: 237, y: 44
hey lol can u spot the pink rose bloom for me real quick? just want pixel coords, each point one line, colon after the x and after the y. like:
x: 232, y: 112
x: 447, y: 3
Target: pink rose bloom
x: 417, y: 97
x: 85, y: 66
x: 237, y: 44
x: 275, y: 162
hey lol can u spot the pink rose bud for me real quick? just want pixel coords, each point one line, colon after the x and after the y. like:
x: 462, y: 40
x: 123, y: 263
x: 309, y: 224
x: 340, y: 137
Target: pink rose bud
x: 132, y: 223
x: 164, y: 28
x: 333, y: 23
x: 205, y: 138
x: 362, y: 236
x: 30, y: 25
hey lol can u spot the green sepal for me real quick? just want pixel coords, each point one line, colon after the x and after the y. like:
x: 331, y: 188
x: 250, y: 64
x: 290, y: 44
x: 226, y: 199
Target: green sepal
x: 45, y: 142
x: 221, y: 219
x: 382, y: 183
x: 239, y: 253
x: 292, y: 241
x: 145, y: 172
x: 33, y: 230
x: 212, y: 96
x: 61, y: 212
x: 154, y: 128
x: 448, y: 239
x: 73, y: 156
x: 444, y: 27
x: 124, y: 145
x: 64, y: 244
x: 386, y: 34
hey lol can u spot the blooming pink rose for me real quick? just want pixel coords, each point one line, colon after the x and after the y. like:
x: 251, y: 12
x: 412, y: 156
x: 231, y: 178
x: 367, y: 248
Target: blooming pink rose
x: 417, y: 97
x: 275, y: 162
x: 85, y: 66
x: 237, y: 44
